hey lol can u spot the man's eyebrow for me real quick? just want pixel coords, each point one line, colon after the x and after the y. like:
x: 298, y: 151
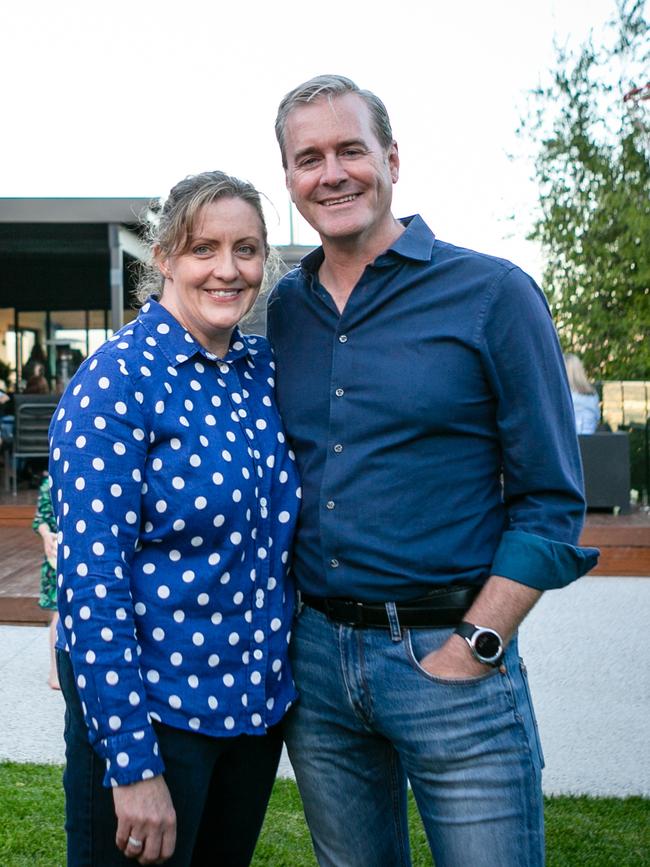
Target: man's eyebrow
x: 313, y: 149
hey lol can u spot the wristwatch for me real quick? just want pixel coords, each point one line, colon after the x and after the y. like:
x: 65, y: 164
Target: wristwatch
x: 486, y: 644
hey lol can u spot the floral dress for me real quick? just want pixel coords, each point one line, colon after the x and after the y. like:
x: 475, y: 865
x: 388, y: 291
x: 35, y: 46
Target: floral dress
x: 45, y: 515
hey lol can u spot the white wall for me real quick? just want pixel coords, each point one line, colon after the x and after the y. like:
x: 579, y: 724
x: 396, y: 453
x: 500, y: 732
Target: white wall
x: 587, y: 650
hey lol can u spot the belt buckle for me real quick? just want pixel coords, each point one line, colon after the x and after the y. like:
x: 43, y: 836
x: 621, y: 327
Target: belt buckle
x: 349, y: 612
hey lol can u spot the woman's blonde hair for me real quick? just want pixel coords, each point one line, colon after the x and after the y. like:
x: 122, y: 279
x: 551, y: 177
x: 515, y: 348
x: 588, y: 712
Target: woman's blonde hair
x: 168, y: 227
x: 578, y: 380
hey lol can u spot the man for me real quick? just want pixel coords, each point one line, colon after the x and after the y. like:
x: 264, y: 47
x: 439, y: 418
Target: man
x: 423, y: 391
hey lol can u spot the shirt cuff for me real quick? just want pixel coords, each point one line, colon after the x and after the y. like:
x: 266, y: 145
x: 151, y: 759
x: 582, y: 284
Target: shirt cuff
x: 131, y: 757
x: 541, y: 563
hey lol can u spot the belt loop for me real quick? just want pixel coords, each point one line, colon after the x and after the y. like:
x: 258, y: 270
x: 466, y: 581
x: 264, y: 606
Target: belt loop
x: 393, y: 621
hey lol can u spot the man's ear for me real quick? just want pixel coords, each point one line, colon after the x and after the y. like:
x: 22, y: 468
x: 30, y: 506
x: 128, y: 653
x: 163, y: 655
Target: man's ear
x: 287, y: 182
x: 393, y: 162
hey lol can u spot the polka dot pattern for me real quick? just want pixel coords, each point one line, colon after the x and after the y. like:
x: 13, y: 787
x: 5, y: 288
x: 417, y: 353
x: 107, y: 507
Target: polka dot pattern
x: 176, y: 499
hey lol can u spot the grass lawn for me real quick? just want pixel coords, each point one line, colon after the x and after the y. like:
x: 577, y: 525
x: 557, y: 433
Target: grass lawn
x: 581, y: 832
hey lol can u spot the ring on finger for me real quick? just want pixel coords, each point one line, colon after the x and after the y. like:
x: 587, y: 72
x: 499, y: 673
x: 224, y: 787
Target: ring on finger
x: 132, y: 841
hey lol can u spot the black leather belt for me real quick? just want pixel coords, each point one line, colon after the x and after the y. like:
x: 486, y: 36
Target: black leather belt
x: 439, y: 608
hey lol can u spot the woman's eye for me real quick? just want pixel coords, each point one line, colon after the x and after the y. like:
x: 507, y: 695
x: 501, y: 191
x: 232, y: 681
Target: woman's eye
x: 246, y: 250
x: 201, y: 249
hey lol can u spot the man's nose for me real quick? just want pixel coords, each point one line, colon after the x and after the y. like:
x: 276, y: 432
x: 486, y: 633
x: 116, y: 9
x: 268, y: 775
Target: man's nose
x: 333, y: 171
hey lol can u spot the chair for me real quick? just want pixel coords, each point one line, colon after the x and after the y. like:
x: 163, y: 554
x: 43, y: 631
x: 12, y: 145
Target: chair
x: 33, y: 413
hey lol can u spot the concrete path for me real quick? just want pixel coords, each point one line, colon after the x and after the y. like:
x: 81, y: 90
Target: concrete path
x: 586, y: 649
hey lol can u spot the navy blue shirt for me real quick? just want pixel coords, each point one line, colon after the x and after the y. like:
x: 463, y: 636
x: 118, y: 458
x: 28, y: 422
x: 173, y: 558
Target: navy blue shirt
x: 176, y: 497
x: 432, y: 425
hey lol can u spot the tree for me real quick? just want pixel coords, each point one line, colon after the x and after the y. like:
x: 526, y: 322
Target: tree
x: 592, y: 165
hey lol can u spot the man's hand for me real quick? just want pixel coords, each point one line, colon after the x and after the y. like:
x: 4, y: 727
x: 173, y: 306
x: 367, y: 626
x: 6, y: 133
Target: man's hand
x: 145, y: 813
x: 501, y: 605
x: 453, y: 661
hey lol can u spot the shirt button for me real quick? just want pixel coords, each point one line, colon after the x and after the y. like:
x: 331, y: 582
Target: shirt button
x: 334, y: 563
x: 339, y: 392
x: 330, y: 504
x: 224, y: 368
x: 338, y: 448
x: 343, y: 338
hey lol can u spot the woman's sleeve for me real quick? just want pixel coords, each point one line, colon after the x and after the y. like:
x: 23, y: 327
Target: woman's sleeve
x: 98, y: 453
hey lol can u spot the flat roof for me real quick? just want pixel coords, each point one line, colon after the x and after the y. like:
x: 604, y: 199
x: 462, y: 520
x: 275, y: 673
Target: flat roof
x: 69, y: 210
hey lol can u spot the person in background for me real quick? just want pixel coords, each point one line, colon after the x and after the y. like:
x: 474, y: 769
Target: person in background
x: 586, y: 405
x: 37, y: 383
x: 423, y: 391
x: 176, y: 496
x: 44, y: 524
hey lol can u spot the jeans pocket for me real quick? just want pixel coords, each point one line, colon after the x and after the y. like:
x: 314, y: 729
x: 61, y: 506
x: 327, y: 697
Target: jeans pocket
x: 531, y: 711
x: 419, y: 643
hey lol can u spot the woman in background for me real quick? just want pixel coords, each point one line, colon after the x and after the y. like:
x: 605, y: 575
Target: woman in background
x: 586, y: 405
x: 44, y: 524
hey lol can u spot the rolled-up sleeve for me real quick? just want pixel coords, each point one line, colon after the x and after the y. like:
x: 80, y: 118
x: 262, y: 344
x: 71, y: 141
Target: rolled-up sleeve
x: 98, y: 453
x: 542, y: 475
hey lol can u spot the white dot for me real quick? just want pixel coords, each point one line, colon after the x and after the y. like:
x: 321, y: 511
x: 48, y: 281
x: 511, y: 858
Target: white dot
x: 229, y: 722
x: 100, y: 422
x: 119, y: 448
x: 104, y: 382
x: 122, y: 759
x: 112, y: 678
x: 120, y: 407
x: 176, y: 658
x: 97, y: 506
x: 131, y: 517
x: 134, y: 699
x: 228, y: 680
x: 235, y: 538
x: 200, y: 503
x: 284, y: 517
x: 256, y: 719
x: 198, y: 639
x: 98, y: 464
x: 174, y: 701
x: 114, y: 723
x: 116, y: 490
x: 233, y: 639
x: 163, y: 591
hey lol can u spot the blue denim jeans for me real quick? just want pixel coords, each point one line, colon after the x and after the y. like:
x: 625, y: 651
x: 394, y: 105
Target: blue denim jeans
x: 369, y: 718
x: 220, y: 788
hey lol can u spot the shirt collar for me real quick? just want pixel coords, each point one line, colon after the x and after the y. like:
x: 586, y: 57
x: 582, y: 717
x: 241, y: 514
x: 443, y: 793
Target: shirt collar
x: 416, y: 242
x: 176, y: 343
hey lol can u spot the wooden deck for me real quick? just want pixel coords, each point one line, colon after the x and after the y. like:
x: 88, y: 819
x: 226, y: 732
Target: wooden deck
x: 624, y: 541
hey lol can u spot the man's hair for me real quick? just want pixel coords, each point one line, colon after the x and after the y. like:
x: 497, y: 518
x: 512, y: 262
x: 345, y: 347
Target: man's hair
x: 329, y: 86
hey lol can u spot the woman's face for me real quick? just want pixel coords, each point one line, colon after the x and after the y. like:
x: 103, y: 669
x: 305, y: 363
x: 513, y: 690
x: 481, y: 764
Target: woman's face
x: 212, y: 285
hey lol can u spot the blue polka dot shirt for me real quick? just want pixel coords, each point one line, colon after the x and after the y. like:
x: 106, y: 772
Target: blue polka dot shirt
x: 176, y: 497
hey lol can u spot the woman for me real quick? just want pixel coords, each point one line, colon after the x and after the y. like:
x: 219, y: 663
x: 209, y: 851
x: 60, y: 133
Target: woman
x: 45, y: 525
x: 176, y: 498
x: 586, y: 406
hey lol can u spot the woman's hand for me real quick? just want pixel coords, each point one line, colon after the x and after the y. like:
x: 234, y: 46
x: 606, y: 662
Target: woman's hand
x: 49, y: 541
x: 145, y: 815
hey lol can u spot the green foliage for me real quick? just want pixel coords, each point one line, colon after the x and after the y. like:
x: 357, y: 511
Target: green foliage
x: 593, y: 169
x: 581, y: 832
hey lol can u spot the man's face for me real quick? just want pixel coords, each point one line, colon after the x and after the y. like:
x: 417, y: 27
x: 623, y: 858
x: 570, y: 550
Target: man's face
x: 338, y: 174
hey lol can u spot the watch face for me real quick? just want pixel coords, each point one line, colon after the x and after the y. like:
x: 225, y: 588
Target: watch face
x: 487, y: 645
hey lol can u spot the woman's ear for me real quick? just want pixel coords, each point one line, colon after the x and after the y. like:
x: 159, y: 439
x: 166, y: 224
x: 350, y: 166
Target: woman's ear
x: 161, y: 262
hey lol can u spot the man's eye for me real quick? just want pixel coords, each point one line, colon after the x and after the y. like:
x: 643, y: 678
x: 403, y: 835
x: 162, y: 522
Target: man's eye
x: 352, y: 152
x: 307, y: 161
